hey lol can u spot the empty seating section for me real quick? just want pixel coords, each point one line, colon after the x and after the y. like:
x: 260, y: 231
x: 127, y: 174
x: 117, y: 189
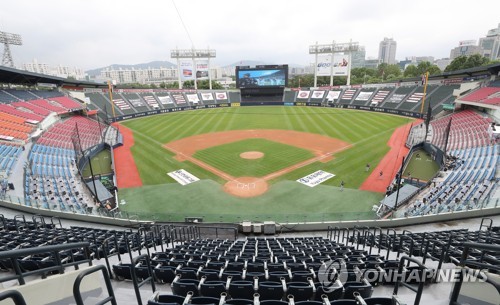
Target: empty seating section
x: 29, y: 107
x: 363, y: 97
x: 471, y: 180
x: 121, y: 104
x: 8, y: 157
x: 486, y: 95
x: 136, y: 101
x: 65, y: 102
x: 61, y: 134
x: 54, y: 107
x: 468, y: 129
x: 151, y: 101
x: 275, y: 268
x: 7, y: 98
x: 397, y: 97
x: 347, y: 96
x: 23, y: 114
x: 414, y: 100
x: 131, y: 102
x: 13, y: 126
x: 165, y: 100
x: 52, y: 181
x: 381, y: 95
x: 102, y: 102
x: 21, y: 94
x: 443, y: 94
x: 46, y: 94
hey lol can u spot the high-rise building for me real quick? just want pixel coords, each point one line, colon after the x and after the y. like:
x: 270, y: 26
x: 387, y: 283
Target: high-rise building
x: 387, y: 51
x: 358, y: 57
x: 465, y: 48
x: 491, y: 44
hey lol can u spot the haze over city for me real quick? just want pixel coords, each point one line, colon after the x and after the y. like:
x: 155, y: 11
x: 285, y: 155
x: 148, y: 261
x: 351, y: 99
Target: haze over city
x: 91, y: 33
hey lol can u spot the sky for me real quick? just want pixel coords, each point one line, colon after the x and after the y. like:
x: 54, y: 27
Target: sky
x: 91, y: 34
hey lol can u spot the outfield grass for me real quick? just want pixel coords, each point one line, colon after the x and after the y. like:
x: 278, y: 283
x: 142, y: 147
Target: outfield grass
x: 368, y: 132
x: 276, y: 156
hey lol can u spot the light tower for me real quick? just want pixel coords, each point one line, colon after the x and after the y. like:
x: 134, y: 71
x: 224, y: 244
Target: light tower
x: 9, y: 39
x: 328, y: 67
x: 191, y: 69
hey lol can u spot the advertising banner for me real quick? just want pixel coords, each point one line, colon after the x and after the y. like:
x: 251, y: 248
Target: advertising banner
x: 207, y: 96
x: 318, y: 94
x: 324, y: 67
x: 193, y: 98
x: 364, y: 95
x: 186, y: 70
x: 221, y: 95
x: 202, y: 69
x: 333, y: 95
x: 303, y: 94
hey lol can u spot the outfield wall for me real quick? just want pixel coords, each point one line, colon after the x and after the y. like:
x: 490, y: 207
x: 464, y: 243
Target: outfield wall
x: 301, y: 104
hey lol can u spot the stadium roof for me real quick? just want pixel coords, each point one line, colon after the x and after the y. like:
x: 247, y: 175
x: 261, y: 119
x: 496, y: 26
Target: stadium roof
x: 15, y: 76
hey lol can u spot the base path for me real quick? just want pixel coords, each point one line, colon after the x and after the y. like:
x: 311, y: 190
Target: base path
x: 127, y: 174
x: 390, y: 164
x: 322, y: 147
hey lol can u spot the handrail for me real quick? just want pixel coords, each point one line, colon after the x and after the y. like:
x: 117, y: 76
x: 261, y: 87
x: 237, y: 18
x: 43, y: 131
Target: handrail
x: 15, y: 295
x: 19, y: 275
x: 150, y: 277
x: 400, y: 280
x: 463, y: 263
x: 76, y: 286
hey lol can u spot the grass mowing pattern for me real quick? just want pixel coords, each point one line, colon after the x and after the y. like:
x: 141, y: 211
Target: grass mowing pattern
x: 367, y: 131
x: 276, y: 156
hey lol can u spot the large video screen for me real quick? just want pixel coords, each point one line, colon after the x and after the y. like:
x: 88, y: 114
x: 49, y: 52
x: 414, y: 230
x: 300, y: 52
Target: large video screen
x: 275, y: 77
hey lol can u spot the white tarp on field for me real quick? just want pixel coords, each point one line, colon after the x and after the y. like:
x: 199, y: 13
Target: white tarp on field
x: 183, y: 177
x: 315, y: 178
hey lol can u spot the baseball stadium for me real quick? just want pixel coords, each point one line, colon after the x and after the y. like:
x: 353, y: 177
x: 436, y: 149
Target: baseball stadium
x: 383, y: 193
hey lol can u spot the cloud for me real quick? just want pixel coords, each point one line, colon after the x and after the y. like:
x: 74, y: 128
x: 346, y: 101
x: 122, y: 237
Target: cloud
x: 91, y: 33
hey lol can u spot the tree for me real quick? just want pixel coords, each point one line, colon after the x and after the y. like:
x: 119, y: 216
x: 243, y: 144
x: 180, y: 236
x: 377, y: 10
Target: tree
x: 411, y: 71
x: 384, y: 70
x: 467, y: 62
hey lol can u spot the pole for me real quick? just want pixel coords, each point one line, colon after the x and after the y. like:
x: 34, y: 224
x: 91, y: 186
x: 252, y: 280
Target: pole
x: 331, y: 65
x: 316, y: 65
x: 93, y: 180
x: 425, y: 92
x: 398, y: 183
x: 179, y: 70
x: 348, y: 83
x: 194, y: 73
x: 110, y: 91
x: 209, y: 71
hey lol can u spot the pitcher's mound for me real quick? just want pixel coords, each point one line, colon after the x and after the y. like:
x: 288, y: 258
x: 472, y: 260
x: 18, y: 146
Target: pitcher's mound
x: 252, y: 155
x: 246, y: 187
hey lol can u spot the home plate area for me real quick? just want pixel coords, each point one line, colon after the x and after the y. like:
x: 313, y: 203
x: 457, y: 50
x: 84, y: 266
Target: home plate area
x: 246, y: 187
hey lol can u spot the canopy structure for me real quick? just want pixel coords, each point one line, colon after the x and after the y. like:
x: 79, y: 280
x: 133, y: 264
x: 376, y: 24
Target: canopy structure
x: 102, y: 192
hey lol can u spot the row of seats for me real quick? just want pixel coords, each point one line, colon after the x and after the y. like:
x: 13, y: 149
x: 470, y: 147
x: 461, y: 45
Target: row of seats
x: 471, y: 180
x: 133, y: 102
x: 468, y: 129
x: 8, y: 157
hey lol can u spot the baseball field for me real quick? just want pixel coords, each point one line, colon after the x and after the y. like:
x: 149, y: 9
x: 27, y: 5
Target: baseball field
x: 249, y: 158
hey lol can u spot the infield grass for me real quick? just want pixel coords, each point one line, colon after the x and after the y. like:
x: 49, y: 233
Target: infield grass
x: 368, y: 132
x: 276, y: 156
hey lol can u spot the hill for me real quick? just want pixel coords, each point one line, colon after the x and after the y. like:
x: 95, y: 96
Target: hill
x: 152, y: 64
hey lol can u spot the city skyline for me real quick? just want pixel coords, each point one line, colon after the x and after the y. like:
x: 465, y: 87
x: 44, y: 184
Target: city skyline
x: 92, y: 34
